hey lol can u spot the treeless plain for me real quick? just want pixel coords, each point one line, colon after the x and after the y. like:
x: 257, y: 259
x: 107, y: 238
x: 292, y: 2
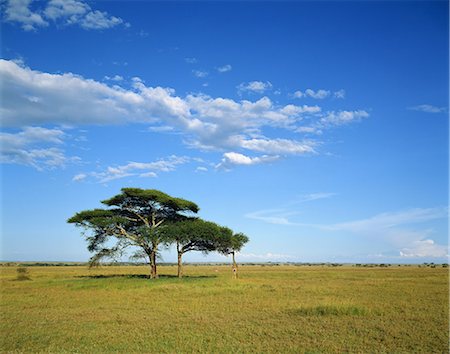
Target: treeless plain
x: 271, y: 308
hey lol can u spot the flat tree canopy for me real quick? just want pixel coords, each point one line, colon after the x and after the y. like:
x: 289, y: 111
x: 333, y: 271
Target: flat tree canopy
x: 193, y: 234
x: 230, y: 244
x: 134, y: 219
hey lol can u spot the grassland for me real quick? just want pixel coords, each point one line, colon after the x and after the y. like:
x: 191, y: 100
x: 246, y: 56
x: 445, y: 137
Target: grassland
x: 269, y: 309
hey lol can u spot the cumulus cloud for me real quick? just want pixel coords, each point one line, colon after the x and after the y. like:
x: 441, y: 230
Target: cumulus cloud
x: 333, y: 119
x: 279, y: 146
x: 339, y: 94
x: 200, y: 74
x: 114, y: 78
x: 428, y: 108
x: 161, y: 129
x: 139, y: 169
x: 424, y: 248
x: 35, y: 98
x: 291, y: 109
x: 72, y: 10
x: 67, y: 12
x: 99, y: 20
x: 231, y: 159
x: 224, y: 68
x: 254, y: 86
x: 19, y: 11
x: 34, y: 146
x: 79, y: 177
x: 343, y: 117
x: 319, y: 94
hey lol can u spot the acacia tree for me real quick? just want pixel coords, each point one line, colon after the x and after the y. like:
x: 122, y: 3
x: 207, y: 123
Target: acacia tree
x: 230, y: 243
x: 134, y: 219
x: 192, y: 235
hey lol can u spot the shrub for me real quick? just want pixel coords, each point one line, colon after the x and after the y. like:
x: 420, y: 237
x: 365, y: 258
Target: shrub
x: 22, y: 273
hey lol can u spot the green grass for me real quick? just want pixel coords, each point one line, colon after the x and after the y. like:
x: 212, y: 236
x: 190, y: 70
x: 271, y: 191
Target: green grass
x: 268, y: 310
x: 334, y: 310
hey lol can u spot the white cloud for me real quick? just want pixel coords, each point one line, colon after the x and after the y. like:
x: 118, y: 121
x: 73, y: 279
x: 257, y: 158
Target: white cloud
x: 332, y: 119
x: 30, y: 135
x: 314, y: 196
x: 264, y: 257
x: 427, y: 108
x: 82, y: 101
x: 22, y: 148
x: 140, y: 169
x: 254, y: 86
x: 424, y: 248
x: 319, y: 94
x: 309, y: 130
x: 396, y: 228
x: 72, y: 10
x: 280, y: 216
x: 143, y: 34
x: 190, y: 60
x: 390, y: 220
x: 224, y: 68
x: 161, y: 129
x: 343, y: 117
x: 339, y: 94
x: 279, y: 146
x: 114, y: 78
x: 19, y: 11
x: 272, y: 216
x: 67, y: 12
x: 201, y: 169
x: 233, y: 158
x: 149, y: 174
x: 35, y: 98
x: 79, y: 177
x: 99, y: 20
x: 291, y: 109
x: 200, y: 73
x: 400, y: 230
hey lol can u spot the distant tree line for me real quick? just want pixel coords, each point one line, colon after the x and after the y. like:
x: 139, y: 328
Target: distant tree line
x: 149, y: 220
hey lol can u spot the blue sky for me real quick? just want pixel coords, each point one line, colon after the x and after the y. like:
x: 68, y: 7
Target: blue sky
x: 319, y: 129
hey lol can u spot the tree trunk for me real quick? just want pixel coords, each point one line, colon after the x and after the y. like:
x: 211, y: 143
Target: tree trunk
x: 180, y: 262
x: 235, y: 268
x: 153, y: 273
x: 180, y: 265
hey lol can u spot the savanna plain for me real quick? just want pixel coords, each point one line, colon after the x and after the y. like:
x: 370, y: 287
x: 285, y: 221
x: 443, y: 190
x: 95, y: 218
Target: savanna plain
x: 269, y: 309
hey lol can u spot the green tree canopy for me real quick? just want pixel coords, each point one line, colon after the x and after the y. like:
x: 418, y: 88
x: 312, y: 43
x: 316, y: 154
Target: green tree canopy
x: 134, y: 219
x: 230, y: 243
x: 192, y: 234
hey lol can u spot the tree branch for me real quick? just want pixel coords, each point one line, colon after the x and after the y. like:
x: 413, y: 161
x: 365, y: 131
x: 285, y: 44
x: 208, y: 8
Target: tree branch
x: 159, y: 223
x: 128, y: 236
x: 144, y: 220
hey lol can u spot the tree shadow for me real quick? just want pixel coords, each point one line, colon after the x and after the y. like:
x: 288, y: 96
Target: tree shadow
x: 143, y: 276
